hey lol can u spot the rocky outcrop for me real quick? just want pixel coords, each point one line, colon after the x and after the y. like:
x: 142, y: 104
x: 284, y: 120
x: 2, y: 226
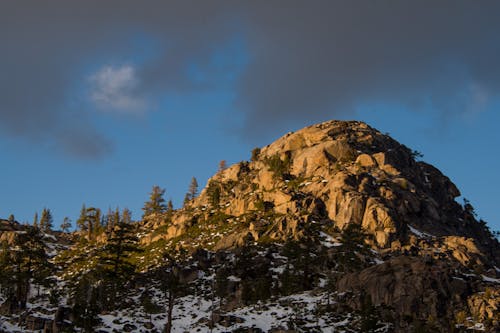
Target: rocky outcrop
x: 9, y: 231
x: 407, y: 284
x: 485, y: 306
x: 334, y: 175
x: 424, y: 290
x: 340, y: 173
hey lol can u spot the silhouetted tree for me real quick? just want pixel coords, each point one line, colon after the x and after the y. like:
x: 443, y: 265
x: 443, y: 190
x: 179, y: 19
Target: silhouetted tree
x: 126, y: 216
x: 193, y: 188
x: 90, y: 221
x: 186, y: 200
x: 222, y: 165
x: 156, y: 202
x: 66, y: 224
x: 46, y: 220
x: 35, y: 220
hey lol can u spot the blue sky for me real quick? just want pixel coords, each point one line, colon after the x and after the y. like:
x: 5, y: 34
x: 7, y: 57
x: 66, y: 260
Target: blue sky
x: 101, y: 101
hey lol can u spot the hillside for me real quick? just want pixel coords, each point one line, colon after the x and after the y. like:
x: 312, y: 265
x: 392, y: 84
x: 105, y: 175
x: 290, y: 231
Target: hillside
x: 333, y: 228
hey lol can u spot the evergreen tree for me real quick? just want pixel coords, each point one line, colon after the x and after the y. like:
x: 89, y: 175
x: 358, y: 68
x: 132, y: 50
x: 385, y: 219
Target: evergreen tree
x: 221, y: 283
x: 222, y: 166
x: 214, y: 193
x: 353, y: 242
x: 150, y: 307
x: 171, y: 286
x: 35, y: 220
x: 86, y: 306
x: 46, y: 220
x: 82, y: 218
x: 186, y: 200
x: 8, y: 277
x: 66, y: 224
x: 126, y: 216
x: 193, y: 188
x: 112, y: 219
x: 90, y: 221
x: 170, y: 206
x: 170, y: 210
x: 115, y: 265
x: 192, y: 191
x: 156, y: 203
x: 108, y: 221
x: 12, y: 219
x: 25, y: 262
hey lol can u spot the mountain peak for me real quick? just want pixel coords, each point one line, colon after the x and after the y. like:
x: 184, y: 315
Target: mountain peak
x: 334, y: 173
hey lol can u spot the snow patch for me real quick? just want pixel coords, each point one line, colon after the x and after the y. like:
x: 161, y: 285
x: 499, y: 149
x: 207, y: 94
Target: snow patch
x: 419, y: 233
x: 329, y: 241
x: 490, y: 279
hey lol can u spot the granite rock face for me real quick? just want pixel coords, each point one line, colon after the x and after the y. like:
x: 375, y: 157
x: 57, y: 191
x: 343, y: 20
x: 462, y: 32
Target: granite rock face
x: 337, y: 174
x: 341, y: 172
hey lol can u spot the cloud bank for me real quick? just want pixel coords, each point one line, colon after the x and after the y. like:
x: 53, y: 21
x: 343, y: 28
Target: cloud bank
x: 306, y: 60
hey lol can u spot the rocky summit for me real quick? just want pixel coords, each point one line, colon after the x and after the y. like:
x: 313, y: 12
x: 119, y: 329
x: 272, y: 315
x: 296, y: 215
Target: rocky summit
x: 333, y: 228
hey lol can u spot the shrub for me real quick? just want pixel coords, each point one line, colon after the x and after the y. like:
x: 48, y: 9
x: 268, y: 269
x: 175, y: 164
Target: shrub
x: 278, y: 166
x: 255, y: 154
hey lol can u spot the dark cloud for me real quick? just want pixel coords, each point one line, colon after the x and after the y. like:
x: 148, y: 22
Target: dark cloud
x: 319, y: 60
x: 307, y: 60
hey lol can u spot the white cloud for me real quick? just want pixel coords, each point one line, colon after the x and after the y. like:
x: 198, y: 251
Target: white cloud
x: 113, y: 89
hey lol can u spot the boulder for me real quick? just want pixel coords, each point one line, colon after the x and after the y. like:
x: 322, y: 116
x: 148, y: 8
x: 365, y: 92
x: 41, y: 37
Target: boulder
x: 409, y: 285
x: 365, y: 160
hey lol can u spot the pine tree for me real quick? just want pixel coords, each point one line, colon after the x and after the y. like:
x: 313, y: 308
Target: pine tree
x: 150, y: 308
x: 108, y: 220
x: 111, y: 219
x: 85, y: 297
x: 214, y: 193
x: 12, y: 219
x: 171, y: 286
x: 66, y: 224
x: 97, y: 222
x: 193, y: 188
x: 8, y: 277
x: 115, y: 265
x: 90, y: 221
x: 115, y: 219
x: 126, y: 216
x: 186, y: 199
x: 353, y: 241
x: 222, y: 166
x: 82, y: 218
x: 170, y: 210
x: 156, y: 203
x: 35, y: 220
x: 46, y: 220
x: 22, y: 264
